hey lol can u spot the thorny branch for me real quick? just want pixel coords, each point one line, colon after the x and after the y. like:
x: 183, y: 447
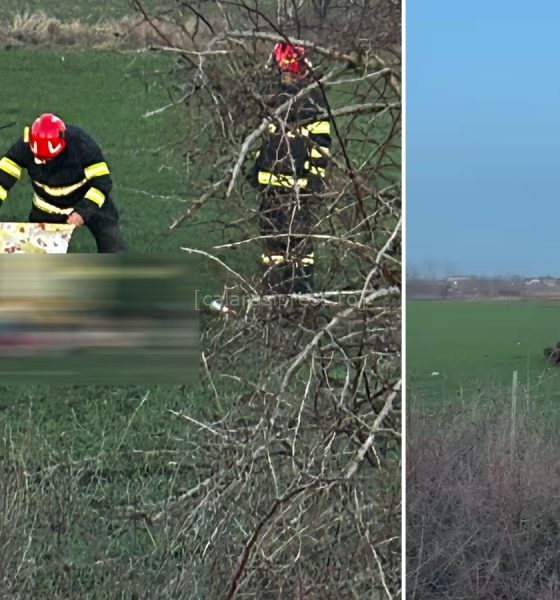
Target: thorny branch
x: 299, y: 439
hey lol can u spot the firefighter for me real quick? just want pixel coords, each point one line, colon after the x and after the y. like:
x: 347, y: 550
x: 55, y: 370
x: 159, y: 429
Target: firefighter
x: 70, y: 178
x: 289, y: 170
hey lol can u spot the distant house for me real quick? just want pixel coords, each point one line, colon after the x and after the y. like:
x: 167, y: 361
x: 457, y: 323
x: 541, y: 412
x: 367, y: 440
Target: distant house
x: 546, y: 281
x: 457, y: 279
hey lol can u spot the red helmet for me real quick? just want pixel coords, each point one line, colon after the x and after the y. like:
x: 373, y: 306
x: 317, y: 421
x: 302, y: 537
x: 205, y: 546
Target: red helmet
x: 47, y: 138
x: 289, y: 58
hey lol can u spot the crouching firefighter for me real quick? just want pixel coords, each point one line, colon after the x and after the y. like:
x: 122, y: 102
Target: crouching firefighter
x: 289, y: 170
x: 70, y: 179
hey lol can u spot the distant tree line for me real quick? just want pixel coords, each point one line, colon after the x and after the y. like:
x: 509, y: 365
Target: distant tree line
x: 477, y: 286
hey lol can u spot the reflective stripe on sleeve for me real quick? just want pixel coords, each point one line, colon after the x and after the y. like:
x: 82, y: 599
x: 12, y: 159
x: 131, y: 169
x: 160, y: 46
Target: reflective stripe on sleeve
x: 316, y: 154
x: 317, y: 171
x: 10, y: 167
x: 3, y: 193
x: 280, y: 180
x: 319, y: 127
x: 314, y: 170
x: 95, y: 196
x: 96, y: 170
x: 309, y: 259
x: 274, y: 259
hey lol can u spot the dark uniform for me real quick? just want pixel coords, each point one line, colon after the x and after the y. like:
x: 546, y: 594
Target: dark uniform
x: 77, y: 180
x: 289, y: 169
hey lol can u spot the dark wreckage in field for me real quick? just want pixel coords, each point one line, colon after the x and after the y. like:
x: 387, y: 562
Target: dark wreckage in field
x: 552, y: 354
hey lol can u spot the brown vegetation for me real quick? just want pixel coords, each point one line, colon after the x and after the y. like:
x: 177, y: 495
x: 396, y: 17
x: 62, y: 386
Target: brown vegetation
x: 481, y: 520
x: 130, y: 33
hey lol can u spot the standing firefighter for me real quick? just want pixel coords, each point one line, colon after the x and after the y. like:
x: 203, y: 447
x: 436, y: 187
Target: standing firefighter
x: 70, y: 179
x: 290, y: 168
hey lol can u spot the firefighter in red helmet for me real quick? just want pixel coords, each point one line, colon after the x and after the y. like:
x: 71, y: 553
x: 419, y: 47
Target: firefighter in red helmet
x: 289, y: 171
x: 70, y: 178
x: 290, y: 60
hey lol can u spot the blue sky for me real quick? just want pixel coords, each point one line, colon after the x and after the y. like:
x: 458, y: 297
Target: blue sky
x: 483, y: 137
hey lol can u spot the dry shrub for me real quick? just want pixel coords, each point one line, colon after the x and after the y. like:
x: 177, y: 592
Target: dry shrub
x: 301, y: 463
x: 480, y: 521
x: 296, y: 478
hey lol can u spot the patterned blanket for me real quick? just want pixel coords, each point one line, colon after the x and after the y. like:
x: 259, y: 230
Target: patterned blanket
x: 34, y: 238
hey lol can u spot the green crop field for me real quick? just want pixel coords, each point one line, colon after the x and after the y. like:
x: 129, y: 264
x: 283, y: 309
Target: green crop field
x: 109, y: 94
x: 88, y: 453
x: 474, y: 347
x: 74, y: 460
x: 85, y: 468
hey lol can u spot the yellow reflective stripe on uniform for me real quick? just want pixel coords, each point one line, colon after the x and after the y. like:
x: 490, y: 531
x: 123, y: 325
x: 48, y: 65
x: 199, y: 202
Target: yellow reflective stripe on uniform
x: 26, y: 135
x: 3, y: 193
x: 95, y: 196
x: 291, y: 134
x: 50, y: 208
x: 317, y: 171
x: 319, y: 127
x: 280, y: 180
x: 60, y: 191
x: 275, y: 259
x: 309, y: 259
x: 314, y: 170
x: 96, y: 170
x: 10, y: 167
x: 316, y: 154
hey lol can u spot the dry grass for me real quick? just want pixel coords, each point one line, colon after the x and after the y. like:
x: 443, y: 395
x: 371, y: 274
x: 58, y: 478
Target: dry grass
x: 482, y: 523
x: 129, y: 33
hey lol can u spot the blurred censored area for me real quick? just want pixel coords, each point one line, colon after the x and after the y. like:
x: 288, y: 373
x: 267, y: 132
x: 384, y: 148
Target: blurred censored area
x: 98, y: 319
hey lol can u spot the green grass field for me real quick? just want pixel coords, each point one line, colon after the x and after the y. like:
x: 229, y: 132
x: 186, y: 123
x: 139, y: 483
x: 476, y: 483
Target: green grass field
x: 476, y: 346
x: 107, y: 93
x: 100, y: 444
x: 78, y: 461
x: 87, y: 455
